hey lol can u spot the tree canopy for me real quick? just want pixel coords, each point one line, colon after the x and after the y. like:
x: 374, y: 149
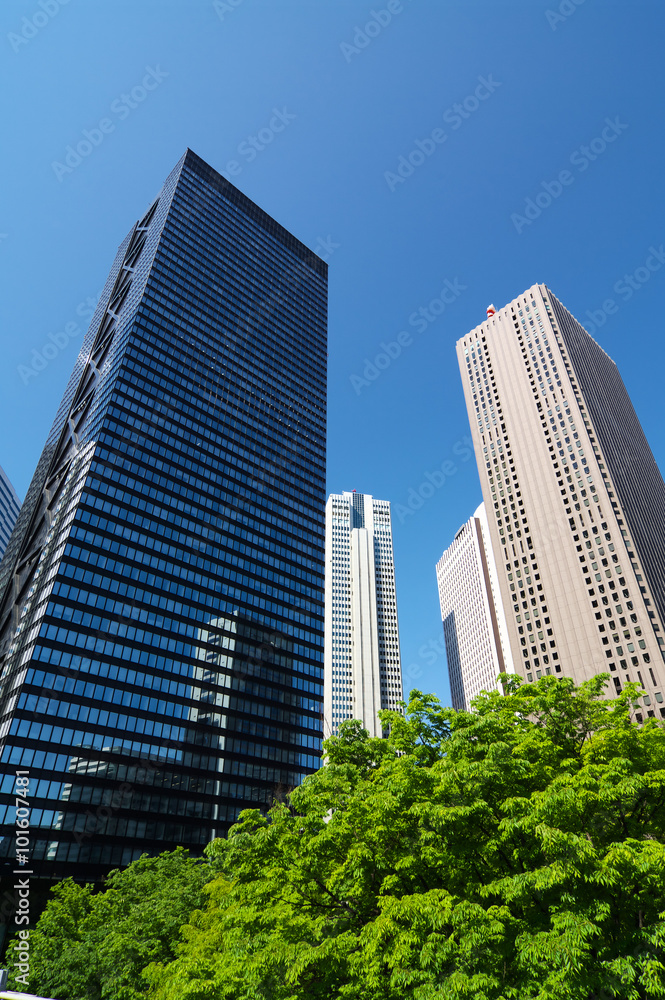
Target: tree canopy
x: 94, y: 946
x: 514, y: 851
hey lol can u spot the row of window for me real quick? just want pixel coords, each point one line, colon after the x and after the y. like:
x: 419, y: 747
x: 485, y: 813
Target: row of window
x: 220, y: 343
x: 262, y: 515
x: 114, y: 722
x: 93, y: 557
x: 248, y: 226
x: 205, y: 183
x: 185, y: 585
x: 116, y: 532
x: 115, y: 855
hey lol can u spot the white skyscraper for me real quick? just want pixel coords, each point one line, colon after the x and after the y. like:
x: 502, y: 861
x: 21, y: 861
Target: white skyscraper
x: 474, y: 624
x: 361, y: 653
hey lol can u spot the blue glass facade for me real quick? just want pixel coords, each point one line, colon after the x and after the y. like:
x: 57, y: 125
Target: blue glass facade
x: 10, y: 506
x: 163, y: 648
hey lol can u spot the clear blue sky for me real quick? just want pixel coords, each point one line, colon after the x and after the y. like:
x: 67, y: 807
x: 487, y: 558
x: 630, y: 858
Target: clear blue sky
x: 351, y: 106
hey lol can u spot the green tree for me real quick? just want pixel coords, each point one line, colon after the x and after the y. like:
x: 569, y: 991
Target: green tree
x: 94, y: 946
x: 515, y: 851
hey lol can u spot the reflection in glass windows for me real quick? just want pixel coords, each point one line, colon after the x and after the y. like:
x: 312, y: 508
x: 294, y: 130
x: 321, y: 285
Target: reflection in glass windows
x: 161, y: 619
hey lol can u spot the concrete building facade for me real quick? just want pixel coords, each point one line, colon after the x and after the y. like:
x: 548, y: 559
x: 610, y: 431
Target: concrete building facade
x: 575, y: 501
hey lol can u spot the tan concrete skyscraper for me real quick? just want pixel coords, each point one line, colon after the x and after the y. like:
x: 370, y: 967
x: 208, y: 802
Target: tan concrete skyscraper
x: 575, y: 500
x: 362, y: 672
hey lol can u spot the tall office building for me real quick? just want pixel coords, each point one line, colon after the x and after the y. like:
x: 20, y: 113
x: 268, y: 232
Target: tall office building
x: 474, y: 623
x: 161, y: 609
x: 10, y: 506
x: 362, y: 662
x: 575, y: 501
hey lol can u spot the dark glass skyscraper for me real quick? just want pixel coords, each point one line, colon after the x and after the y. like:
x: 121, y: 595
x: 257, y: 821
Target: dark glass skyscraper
x: 161, y: 599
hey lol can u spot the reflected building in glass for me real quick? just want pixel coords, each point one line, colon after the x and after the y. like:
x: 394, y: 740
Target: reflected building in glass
x: 161, y: 598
